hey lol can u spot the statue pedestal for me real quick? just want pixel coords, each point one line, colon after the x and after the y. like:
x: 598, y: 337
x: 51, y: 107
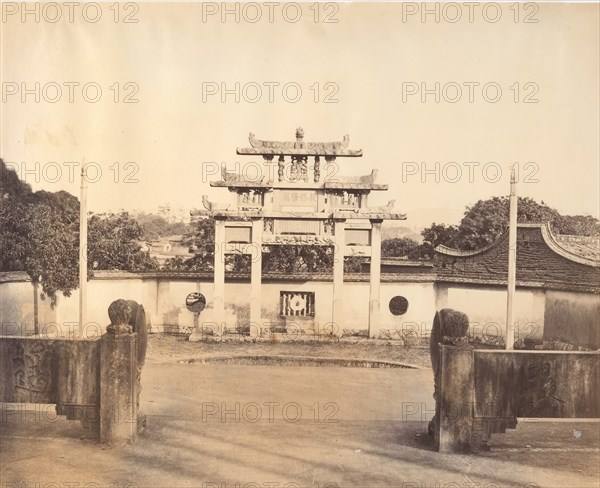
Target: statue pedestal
x: 120, y: 420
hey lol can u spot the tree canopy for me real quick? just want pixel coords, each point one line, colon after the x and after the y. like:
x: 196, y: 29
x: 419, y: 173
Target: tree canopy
x: 398, y: 246
x: 40, y: 235
x: 115, y: 242
x: 156, y: 226
x: 200, y: 239
x: 486, y: 220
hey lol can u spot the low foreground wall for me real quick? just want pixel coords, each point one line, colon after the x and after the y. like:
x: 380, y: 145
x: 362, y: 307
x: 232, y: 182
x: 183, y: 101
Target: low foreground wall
x: 96, y: 381
x: 482, y: 391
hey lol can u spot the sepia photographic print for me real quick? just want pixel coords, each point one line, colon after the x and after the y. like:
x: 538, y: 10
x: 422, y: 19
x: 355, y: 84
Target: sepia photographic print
x: 300, y: 245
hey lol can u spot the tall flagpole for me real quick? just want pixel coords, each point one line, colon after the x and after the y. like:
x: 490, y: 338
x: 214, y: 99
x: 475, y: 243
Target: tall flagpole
x: 82, y: 252
x: 512, y: 261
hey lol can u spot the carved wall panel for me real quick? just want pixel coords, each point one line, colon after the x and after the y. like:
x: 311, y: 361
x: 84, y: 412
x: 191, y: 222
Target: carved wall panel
x: 297, y: 303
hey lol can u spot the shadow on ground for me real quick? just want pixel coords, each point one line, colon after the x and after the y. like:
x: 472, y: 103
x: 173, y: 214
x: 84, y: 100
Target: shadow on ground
x: 218, y: 425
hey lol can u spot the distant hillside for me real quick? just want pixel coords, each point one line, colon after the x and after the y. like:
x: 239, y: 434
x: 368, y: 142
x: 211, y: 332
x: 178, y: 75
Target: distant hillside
x: 395, y: 231
x: 157, y: 227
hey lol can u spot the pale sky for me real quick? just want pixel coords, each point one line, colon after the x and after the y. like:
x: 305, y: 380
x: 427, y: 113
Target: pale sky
x: 370, y: 58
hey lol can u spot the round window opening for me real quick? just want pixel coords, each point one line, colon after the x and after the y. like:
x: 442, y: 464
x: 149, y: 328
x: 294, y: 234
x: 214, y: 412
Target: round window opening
x: 195, y: 302
x: 398, y: 305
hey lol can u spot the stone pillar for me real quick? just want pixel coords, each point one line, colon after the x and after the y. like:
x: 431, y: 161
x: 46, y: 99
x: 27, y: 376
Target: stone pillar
x: 256, y: 278
x: 375, y: 278
x: 456, y: 397
x: 441, y: 295
x: 339, y: 229
x: 119, y: 407
x: 219, y: 277
x: 268, y: 200
x: 363, y: 200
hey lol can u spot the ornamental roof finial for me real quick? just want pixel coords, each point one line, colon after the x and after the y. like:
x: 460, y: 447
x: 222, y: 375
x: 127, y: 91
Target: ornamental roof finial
x: 299, y: 133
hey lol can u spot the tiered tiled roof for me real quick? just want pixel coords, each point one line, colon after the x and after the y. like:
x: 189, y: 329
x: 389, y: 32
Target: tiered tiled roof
x: 543, y: 260
x: 583, y: 246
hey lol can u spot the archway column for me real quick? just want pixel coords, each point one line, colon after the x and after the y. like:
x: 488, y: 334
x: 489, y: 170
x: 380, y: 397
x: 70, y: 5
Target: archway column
x: 375, y: 278
x: 256, y: 278
x: 219, y: 277
x: 339, y: 229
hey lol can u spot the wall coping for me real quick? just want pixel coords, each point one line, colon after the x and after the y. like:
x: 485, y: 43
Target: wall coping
x: 99, y: 275
x: 527, y: 351
x: 554, y: 242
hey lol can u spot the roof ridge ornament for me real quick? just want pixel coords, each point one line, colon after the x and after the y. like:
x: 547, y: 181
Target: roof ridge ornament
x: 335, y: 148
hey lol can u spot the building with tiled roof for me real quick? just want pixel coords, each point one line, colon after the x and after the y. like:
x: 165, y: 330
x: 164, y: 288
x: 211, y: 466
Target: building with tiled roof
x: 558, y: 284
x: 583, y: 246
x: 543, y: 260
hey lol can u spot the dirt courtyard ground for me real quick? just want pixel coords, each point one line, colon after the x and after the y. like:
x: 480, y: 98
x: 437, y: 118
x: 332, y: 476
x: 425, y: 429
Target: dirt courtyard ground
x: 234, y: 426
x: 164, y: 348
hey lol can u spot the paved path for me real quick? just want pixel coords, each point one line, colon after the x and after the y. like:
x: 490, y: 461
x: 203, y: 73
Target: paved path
x: 213, y: 426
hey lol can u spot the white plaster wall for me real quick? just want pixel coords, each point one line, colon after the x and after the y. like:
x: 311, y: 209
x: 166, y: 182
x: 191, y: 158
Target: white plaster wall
x: 486, y: 308
x: 356, y: 305
x: 418, y: 319
x: 17, y: 308
x: 573, y: 317
x: 164, y: 301
x: 100, y: 294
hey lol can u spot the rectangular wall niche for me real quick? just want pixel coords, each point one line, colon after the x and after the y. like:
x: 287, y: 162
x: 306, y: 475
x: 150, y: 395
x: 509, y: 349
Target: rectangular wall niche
x: 358, y: 237
x: 297, y: 226
x: 297, y: 303
x: 238, y: 235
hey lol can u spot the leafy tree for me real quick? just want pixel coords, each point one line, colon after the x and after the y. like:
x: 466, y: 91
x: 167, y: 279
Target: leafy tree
x: 580, y: 225
x: 438, y: 234
x: 298, y: 259
x: 200, y: 239
x: 13, y: 239
x: 398, y: 246
x: 433, y: 236
x: 40, y: 235
x: 486, y: 220
x: 10, y: 184
x: 157, y: 226
x: 353, y: 264
x: 114, y: 242
x: 52, y: 250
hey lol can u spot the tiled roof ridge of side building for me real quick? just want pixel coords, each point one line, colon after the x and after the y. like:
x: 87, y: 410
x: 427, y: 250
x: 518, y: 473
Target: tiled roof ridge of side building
x: 556, y: 242
x: 560, y: 245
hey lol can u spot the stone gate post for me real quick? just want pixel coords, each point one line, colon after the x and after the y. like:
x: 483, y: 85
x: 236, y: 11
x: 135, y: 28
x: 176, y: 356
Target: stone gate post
x: 122, y: 353
x: 118, y: 387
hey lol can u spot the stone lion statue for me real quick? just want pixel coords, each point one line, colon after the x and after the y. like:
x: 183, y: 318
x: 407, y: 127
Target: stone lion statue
x: 128, y: 316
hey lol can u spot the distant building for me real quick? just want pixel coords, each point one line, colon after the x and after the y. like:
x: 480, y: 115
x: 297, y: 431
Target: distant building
x: 167, y: 248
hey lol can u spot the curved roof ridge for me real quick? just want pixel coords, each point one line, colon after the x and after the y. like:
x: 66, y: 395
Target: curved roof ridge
x: 575, y: 237
x: 553, y: 243
x: 450, y: 251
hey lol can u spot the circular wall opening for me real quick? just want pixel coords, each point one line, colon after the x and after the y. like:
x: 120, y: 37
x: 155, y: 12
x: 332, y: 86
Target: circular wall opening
x: 398, y: 305
x: 195, y: 302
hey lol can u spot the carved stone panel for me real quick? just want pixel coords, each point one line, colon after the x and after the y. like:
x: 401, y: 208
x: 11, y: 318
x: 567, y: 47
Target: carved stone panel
x: 297, y: 303
x: 250, y: 199
x: 32, y: 366
x: 295, y: 200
